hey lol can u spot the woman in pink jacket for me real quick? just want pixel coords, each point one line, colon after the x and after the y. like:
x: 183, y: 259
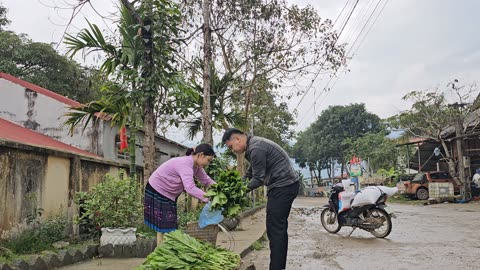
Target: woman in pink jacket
x: 169, y: 181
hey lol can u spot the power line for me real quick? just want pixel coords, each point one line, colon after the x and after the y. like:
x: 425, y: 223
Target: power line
x: 321, y: 65
x: 351, y: 48
x: 333, y: 25
x: 358, y: 22
x: 371, y: 26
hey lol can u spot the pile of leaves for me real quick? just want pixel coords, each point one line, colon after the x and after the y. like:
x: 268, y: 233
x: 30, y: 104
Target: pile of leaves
x: 181, y: 251
x: 228, y: 193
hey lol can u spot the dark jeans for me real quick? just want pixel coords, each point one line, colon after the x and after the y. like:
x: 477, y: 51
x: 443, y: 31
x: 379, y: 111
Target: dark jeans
x: 279, y: 203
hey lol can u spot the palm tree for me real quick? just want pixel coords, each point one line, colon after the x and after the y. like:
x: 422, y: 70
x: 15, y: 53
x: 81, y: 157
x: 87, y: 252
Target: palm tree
x: 121, y: 61
x: 219, y: 100
x: 114, y: 107
x: 145, y: 71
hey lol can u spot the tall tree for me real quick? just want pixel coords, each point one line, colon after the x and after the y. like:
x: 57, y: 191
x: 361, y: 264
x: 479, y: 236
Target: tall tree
x: 223, y: 116
x: 275, y: 122
x: 436, y: 113
x: 147, y: 70
x: 375, y: 147
x: 207, y: 68
x: 264, y: 44
x: 4, y: 21
x: 324, y: 142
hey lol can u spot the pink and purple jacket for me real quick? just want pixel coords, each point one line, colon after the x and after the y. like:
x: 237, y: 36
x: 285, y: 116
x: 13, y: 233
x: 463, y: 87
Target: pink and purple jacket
x: 176, y: 175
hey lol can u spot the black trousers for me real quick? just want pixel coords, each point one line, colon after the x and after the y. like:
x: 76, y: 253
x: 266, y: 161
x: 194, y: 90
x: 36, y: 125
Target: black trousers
x: 278, y: 209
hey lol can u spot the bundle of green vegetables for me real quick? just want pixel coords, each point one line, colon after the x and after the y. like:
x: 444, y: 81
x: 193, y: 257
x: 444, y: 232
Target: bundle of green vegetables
x: 228, y: 193
x: 181, y: 251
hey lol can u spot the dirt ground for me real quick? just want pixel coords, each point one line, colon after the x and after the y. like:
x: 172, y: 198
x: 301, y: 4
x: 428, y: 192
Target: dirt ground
x: 441, y: 236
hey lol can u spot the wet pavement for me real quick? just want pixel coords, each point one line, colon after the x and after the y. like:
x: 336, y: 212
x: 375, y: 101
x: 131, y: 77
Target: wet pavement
x: 441, y: 236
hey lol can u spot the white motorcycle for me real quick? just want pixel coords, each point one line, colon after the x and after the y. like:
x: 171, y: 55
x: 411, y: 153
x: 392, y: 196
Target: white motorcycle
x: 374, y: 218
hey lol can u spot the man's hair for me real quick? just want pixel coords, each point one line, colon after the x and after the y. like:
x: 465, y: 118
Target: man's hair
x: 229, y: 132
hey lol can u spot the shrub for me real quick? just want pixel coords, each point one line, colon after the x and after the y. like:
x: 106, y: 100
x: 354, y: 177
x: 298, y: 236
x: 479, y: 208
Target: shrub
x: 115, y: 202
x: 39, y: 237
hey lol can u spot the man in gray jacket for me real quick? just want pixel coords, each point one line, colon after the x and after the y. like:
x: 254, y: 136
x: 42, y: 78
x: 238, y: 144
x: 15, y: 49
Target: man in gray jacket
x: 269, y: 166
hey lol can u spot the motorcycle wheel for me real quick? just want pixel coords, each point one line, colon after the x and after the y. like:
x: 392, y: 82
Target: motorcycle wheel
x: 386, y: 227
x: 329, y: 221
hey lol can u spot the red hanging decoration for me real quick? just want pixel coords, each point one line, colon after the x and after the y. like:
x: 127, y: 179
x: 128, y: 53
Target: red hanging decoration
x: 123, y: 139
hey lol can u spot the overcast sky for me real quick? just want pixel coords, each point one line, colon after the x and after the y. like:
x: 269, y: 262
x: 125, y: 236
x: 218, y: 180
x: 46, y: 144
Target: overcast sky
x: 414, y: 44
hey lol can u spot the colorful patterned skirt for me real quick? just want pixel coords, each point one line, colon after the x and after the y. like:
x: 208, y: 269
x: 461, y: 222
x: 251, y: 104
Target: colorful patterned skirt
x: 159, y: 212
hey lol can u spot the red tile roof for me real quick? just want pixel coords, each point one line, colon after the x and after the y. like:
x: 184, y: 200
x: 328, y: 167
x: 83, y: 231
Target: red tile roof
x: 40, y: 90
x: 13, y: 132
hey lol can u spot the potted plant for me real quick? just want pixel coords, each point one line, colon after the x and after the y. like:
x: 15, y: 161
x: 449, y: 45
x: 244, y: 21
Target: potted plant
x: 113, y: 206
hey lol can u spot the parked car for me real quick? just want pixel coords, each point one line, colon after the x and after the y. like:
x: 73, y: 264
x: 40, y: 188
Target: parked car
x: 418, y: 186
x: 402, y: 179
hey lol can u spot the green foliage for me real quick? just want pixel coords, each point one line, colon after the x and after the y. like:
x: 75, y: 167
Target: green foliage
x: 37, y: 238
x: 380, y: 150
x: 258, y: 245
x: 261, y: 45
x: 114, y: 202
x: 223, y: 115
x: 186, y: 216
x: 143, y: 65
x: 429, y: 115
x: 330, y: 137
x: 276, y: 122
x: 181, y: 251
x: 435, y: 114
x: 4, y: 21
x: 228, y: 193
x: 143, y: 231
x: 114, y: 102
x: 218, y: 166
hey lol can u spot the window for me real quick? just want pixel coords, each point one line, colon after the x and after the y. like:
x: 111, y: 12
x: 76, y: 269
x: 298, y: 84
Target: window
x: 418, y: 178
x: 439, y: 176
x: 125, y: 155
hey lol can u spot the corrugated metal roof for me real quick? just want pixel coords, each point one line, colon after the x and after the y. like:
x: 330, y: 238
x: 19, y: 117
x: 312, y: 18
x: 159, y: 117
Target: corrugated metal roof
x: 13, y: 132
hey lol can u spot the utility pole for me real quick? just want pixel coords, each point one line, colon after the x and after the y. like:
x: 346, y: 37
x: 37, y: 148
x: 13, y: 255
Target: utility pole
x: 461, y: 166
x: 465, y: 190
x: 419, y: 159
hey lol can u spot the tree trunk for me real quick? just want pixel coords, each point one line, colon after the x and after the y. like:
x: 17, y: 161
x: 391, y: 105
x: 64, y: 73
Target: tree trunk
x: 132, y: 141
x: 330, y: 170
x: 315, y: 177
x: 341, y: 170
x: 465, y: 191
x: 131, y: 152
x: 149, y: 142
x: 148, y: 103
x: 207, y: 62
x: 241, y: 164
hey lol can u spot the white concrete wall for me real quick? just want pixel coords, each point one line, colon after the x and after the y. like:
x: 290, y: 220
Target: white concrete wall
x: 110, y: 149
x: 44, y: 115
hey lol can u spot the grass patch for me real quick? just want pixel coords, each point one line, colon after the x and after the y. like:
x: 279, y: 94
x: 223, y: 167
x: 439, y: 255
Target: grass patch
x: 403, y: 199
x: 260, y: 243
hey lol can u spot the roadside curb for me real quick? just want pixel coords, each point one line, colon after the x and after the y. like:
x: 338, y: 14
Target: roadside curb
x: 251, y: 211
x: 250, y: 248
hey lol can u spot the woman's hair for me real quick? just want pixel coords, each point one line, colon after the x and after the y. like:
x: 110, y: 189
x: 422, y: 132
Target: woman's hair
x: 204, y: 148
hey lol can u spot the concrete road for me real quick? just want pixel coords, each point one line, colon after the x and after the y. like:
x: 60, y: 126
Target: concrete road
x: 442, y: 236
